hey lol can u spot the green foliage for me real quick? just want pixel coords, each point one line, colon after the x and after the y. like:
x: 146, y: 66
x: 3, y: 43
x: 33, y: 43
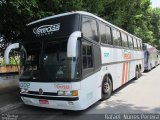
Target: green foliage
x: 1, y: 61
x: 12, y: 61
x: 155, y: 22
x: 134, y: 16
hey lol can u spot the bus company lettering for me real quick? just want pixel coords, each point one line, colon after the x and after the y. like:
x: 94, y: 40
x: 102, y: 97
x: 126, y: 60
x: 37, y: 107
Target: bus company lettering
x: 46, y: 29
x: 25, y: 85
x: 106, y: 55
x: 127, y: 54
x: 62, y: 86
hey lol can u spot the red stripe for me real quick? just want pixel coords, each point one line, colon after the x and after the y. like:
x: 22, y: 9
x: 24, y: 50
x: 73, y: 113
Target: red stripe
x: 123, y: 73
x: 126, y: 72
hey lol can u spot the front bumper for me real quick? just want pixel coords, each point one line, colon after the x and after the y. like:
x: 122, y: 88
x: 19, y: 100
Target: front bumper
x: 55, y: 102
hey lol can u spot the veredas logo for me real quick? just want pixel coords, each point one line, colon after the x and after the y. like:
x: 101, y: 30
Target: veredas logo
x: 46, y: 29
x: 62, y: 86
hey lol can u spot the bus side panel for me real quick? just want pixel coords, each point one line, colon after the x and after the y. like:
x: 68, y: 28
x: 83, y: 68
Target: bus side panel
x: 90, y: 90
x: 121, y: 64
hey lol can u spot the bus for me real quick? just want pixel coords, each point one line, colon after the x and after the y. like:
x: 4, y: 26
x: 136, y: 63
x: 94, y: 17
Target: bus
x: 158, y: 52
x: 72, y: 60
x: 150, y: 56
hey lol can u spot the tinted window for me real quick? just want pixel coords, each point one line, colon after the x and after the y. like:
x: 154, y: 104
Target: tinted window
x: 87, y: 56
x: 135, y: 43
x: 138, y: 44
x: 30, y: 60
x: 116, y: 37
x: 102, y: 33
x: 105, y: 33
x: 124, y: 40
x: 55, y: 27
x: 130, y: 42
x: 89, y: 28
x: 108, y: 35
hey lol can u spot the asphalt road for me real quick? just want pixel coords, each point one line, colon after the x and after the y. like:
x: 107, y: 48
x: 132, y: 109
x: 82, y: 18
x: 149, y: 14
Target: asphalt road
x: 137, y: 96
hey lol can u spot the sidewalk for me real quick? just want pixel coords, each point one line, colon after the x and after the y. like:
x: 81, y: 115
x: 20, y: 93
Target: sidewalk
x: 8, y: 83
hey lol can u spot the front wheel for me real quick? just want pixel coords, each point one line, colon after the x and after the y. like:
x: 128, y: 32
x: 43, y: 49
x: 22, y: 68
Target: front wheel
x: 106, y: 88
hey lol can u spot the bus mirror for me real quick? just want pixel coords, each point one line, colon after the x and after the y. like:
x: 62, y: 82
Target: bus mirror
x: 7, y: 51
x: 72, y: 43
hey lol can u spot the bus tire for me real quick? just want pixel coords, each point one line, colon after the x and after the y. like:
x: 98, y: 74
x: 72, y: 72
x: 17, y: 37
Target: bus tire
x: 106, y: 88
x: 137, y: 73
x: 140, y: 71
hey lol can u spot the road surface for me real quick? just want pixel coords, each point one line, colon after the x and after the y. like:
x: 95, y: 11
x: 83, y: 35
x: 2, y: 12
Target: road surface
x: 137, y: 97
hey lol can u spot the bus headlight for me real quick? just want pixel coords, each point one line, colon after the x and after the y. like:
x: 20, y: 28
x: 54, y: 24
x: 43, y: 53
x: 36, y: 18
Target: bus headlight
x: 68, y: 93
x: 24, y: 90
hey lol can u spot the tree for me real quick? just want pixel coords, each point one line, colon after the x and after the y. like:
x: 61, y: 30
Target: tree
x: 155, y: 22
x: 134, y: 16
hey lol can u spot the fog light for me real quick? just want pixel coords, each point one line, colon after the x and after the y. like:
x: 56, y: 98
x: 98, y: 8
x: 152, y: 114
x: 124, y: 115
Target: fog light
x: 70, y: 103
x: 62, y: 93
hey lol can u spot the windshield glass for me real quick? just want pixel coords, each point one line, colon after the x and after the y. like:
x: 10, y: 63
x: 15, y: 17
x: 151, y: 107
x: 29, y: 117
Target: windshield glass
x: 56, y: 64
x: 48, y: 63
x: 30, y: 58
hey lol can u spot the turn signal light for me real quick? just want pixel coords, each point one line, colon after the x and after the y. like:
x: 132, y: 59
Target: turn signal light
x: 75, y: 93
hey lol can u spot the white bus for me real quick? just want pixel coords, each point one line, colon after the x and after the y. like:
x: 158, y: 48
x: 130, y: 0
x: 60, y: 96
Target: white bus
x: 72, y: 60
x: 150, y: 56
x: 158, y: 52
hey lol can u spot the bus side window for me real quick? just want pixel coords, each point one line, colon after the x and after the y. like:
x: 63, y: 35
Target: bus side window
x: 102, y: 33
x: 87, y: 56
x: 135, y: 43
x: 130, y: 41
x: 89, y: 28
x: 105, y: 33
x: 108, y: 35
x: 141, y: 44
x: 138, y: 44
x: 124, y: 40
x: 116, y: 37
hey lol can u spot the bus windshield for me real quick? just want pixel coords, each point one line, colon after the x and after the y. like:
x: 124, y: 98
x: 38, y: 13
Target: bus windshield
x: 56, y: 64
x: 30, y: 58
x: 49, y: 63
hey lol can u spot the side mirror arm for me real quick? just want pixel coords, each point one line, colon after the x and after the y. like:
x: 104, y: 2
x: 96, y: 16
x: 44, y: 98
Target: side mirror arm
x: 72, y: 43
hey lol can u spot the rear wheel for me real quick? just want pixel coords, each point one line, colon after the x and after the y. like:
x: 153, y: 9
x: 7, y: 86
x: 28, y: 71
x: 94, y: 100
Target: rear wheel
x: 140, y: 72
x: 106, y: 88
x: 137, y: 74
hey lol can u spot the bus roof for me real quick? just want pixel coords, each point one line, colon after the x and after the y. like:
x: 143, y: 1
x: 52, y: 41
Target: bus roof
x: 148, y: 45
x: 83, y: 13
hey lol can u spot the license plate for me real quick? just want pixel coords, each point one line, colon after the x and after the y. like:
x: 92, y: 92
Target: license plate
x: 43, y: 102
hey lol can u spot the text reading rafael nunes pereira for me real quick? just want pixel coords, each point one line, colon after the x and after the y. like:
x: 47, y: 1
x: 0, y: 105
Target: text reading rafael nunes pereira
x: 132, y: 116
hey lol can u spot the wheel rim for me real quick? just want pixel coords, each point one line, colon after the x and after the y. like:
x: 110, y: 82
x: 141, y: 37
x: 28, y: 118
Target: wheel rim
x: 106, y: 87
